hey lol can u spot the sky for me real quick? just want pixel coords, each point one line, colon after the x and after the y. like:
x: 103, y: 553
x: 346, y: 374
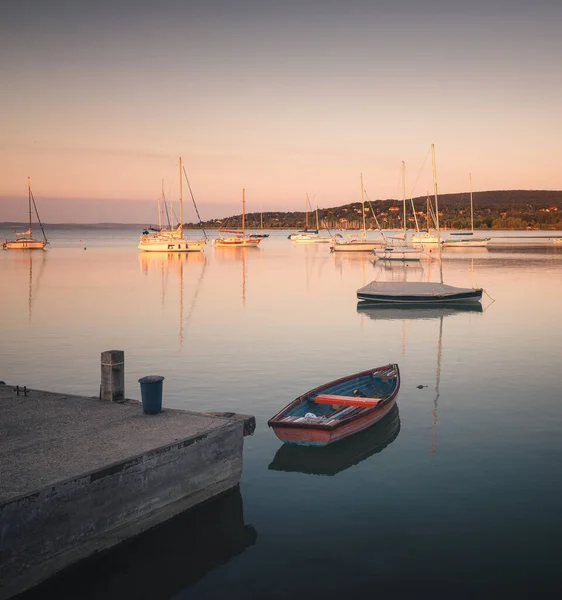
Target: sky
x: 100, y: 99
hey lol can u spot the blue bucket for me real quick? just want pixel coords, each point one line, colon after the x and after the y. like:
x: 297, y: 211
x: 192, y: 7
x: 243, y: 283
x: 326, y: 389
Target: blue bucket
x: 151, y: 394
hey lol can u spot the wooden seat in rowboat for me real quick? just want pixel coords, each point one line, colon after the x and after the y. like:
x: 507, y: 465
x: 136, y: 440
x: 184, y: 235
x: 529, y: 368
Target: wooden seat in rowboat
x: 346, y: 400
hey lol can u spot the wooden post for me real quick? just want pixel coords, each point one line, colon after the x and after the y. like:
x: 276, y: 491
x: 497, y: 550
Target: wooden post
x: 112, y: 387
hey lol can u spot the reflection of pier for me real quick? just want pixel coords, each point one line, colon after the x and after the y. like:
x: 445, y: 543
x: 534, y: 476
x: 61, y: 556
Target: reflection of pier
x: 334, y: 458
x: 162, y: 561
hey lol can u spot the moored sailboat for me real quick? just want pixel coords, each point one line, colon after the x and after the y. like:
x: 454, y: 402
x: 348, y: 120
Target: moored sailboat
x: 412, y: 292
x: 399, y: 249
x: 313, y: 237
x: 357, y: 243
x: 471, y: 241
x: 306, y: 233
x: 169, y: 239
x: 237, y: 239
x: 24, y: 239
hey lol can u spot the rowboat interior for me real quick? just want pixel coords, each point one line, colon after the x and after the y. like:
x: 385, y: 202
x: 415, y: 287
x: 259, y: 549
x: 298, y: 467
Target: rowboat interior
x: 342, y: 400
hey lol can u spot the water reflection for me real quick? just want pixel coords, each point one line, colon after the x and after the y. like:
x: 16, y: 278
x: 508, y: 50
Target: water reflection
x: 405, y: 312
x: 174, y: 263
x: 34, y: 263
x: 415, y: 311
x: 334, y: 458
x: 162, y: 561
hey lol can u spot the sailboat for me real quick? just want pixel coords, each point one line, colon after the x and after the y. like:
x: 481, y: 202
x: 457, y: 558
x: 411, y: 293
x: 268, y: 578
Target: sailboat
x: 311, y: 237
x: 470, y: 242
x: 400, y: 250
x: 24, y: 240
x: 360, y: 243
x: 237, y: 239
x: 420, y: 292
x: 168, y: 239
x: 430, y: 237
x: 305, y: 233
x: 261, y: 234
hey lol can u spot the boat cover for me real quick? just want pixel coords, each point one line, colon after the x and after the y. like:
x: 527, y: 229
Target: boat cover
x: 426, y: 289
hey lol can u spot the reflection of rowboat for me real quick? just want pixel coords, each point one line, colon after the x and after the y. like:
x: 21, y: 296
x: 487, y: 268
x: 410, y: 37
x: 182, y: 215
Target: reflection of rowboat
x: 336, y: 410
x: 333, y: 459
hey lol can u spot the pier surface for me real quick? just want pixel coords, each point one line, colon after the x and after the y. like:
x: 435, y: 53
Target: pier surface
x: 79, y: 475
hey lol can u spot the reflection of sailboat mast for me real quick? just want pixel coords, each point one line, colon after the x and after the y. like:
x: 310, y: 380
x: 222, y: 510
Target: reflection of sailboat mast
x: 437, y: 379
x: 181, y: 304
x: 243, y: 279
x: 37, y: 283
x: 30, y: 285
x: 196, y: 293
x: 437, y: 212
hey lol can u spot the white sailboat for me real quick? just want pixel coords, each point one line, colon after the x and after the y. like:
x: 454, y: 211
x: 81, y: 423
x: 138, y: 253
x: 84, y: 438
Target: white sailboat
x: 24, y: 239
x: 419, y: 292
x: 237, y: 239
x: 357, y: 243
x: 399, y: 249
x: 168, y: 239
x: 467, y: 242
x: 311, y: 237
x: 306, y: 233
x: 431, y: 236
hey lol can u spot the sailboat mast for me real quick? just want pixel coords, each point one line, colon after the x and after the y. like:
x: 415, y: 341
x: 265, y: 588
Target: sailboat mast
x: 435, y: 189
x: 29, y: 201
x: 404, y: 192
x: 363, y: 206
x: 436, y: 210
x: 181, y: 199
x: 471, y: 213
x: 243, y: 203
x: 161, y: 208
x: 306, y: 203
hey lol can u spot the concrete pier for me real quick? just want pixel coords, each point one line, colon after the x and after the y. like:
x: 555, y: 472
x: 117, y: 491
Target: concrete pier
x: 79, y: 475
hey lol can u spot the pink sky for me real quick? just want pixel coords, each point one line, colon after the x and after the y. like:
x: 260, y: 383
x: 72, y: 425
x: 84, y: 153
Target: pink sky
x: 100, y: 101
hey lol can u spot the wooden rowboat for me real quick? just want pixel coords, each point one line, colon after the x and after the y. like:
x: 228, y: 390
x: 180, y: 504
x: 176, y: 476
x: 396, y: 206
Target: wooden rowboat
x: 336, y: 410
x: 335, y: 458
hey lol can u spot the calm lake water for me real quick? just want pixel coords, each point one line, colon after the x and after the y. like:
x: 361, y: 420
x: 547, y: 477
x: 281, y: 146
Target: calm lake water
x: 456, y: 494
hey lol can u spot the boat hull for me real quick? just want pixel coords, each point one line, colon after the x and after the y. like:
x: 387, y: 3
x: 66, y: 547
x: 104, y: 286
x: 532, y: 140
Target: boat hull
x: 23, y: 244
x: 149, y: 244
x: 337, y: 422
x: 319, y: 437
x: 356, y: 246
x: 310, y: 240
x: 412, y: 254
x: 237, y: 243
x: 468, y: 243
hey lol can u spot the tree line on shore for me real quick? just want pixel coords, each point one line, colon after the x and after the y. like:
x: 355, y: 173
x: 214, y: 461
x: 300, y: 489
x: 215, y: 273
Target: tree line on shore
x: 513, y: 209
